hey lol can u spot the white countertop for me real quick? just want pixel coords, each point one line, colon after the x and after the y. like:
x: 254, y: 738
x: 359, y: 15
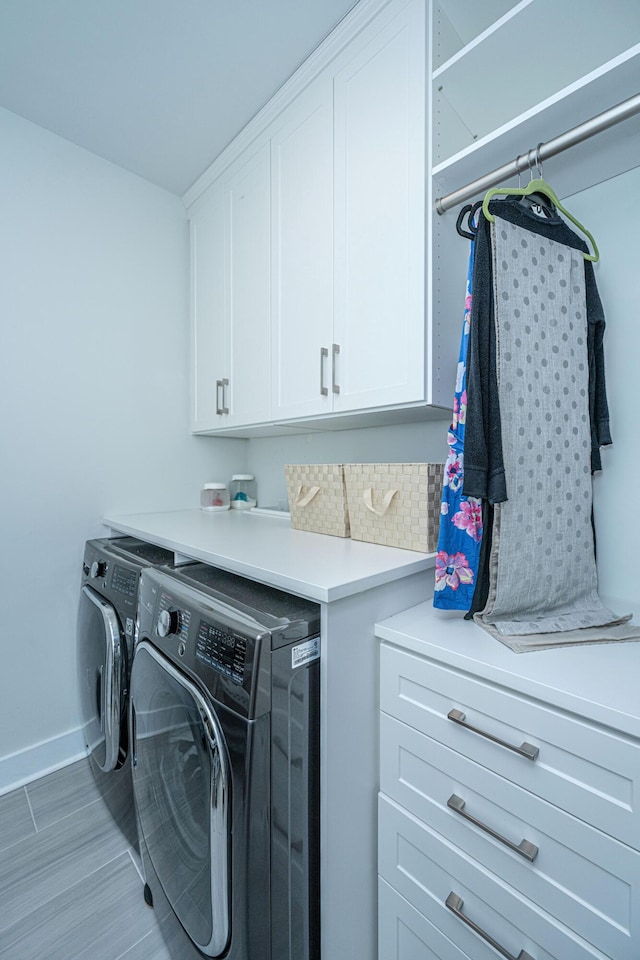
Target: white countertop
x: 600, y: 680
x: 265, y: 548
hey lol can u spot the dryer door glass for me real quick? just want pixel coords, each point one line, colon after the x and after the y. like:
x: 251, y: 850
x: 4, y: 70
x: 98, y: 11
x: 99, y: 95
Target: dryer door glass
x: 181, y: 785
x: 101, y: 653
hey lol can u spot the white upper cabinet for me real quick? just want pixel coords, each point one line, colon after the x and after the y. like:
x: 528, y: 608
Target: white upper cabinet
x: 209, y: 328
x: 325, y: 237
x: 379, y: 293
x: 230, y: 298
x: 302, y: 254
x: 348, y: 230
x: 248, y: 290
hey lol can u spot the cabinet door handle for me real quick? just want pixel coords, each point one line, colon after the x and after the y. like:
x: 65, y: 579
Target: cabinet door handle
x: 220, y: 385
x: 324, y: 353
x: 525, y: 848
x: 335, y: 350
x: 525, y: 749
x: 455, y: 904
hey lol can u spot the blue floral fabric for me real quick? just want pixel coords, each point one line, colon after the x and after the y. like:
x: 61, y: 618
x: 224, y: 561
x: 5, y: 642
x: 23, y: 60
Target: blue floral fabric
x: 460, y: 517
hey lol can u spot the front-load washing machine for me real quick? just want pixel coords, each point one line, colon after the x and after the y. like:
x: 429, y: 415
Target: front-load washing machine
x: 105, y: 638
x: 225, y: 755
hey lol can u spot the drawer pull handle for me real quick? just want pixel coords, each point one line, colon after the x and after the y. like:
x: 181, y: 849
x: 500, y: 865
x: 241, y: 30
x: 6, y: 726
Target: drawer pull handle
x: 525, y: 749
x: 455, y: 904
x: 525, y: 848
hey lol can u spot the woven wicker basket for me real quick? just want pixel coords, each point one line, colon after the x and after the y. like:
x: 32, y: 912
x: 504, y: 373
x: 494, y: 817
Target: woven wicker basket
x: 317, y: 498
x: 395, y: 504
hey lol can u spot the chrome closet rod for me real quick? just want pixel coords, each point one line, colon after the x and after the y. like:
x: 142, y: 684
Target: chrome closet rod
x: 608, y: 118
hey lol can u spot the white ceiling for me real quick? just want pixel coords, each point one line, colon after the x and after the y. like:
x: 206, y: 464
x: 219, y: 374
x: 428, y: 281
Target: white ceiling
x: 158, y: 87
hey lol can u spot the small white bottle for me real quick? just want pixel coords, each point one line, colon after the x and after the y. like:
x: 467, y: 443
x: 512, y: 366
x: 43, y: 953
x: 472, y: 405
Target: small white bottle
x: 214, y: 496
x: 243, y: 491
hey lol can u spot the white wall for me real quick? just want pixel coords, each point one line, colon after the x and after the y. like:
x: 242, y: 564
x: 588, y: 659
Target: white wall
x: 608, y: 211
x: 405, y: 443
x: 93, y: 406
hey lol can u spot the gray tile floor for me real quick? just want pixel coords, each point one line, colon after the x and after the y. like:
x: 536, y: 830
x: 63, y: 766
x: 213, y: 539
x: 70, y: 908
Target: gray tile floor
x: 70, y: 886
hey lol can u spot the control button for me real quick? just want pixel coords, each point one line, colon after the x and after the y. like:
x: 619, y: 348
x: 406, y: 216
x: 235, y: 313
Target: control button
x: 181, y: 649
x: 168, y: 622
x: 98, y: 569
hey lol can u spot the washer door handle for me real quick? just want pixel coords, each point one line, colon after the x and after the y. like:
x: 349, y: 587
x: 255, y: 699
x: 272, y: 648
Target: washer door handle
x: 109, y: 685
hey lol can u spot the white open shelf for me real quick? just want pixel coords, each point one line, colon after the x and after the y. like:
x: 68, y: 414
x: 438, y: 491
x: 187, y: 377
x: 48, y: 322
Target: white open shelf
x: 607, y: 155
x: 521, y: 61
x: 460, y: 23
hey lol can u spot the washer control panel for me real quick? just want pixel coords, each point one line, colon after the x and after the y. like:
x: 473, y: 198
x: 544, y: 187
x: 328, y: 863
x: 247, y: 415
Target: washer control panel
x: 225, y: 652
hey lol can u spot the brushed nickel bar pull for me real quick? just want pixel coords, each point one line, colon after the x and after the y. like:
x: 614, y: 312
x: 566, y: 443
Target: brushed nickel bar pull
x: 455, y: 904
x: 222, y: 383
x: 525, y: 749
x: 324, y: 354
x: 335, y: 350
x: 218, y: 404
x: 525, y: 848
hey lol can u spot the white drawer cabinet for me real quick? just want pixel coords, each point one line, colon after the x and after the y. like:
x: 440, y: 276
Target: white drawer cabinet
x: 426, y: 869
x: 407, y: 934
x: 521, y: 806
x: 589, y: 770
x: 580, y: 876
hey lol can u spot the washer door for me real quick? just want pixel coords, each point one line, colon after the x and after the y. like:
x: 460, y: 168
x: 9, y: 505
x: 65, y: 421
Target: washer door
x: 182, y: 789
x: 102, y: 663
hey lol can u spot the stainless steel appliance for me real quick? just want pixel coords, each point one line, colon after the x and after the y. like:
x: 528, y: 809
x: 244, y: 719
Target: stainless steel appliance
x: 225, y: 744
x: 105, y: 636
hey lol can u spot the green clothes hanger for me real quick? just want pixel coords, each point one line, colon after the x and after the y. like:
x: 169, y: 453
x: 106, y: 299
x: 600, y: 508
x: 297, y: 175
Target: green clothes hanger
x: 540, y: 186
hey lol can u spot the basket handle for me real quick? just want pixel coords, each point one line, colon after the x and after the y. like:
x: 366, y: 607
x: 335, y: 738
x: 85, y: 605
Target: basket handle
x: 367, y: 496
x: 302, y: 501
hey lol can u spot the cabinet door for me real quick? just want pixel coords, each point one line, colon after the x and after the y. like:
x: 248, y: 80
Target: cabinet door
x: 380, y: 217
x: 209, y: 340
x: 302, y: 255
x: 247, y: 289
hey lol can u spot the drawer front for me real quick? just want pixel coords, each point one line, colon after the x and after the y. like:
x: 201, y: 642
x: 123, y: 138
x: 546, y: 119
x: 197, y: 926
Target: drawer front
x: 579, y: 875
x: 580, y: 767
x: 426, y: 870
x: 405, y: 934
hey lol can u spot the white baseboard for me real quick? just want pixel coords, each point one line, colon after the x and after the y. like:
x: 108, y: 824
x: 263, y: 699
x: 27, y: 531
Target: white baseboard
x: 36, y: 761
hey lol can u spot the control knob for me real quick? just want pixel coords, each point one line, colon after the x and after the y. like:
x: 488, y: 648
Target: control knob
x: 168, y: 622
x: 98, y: 569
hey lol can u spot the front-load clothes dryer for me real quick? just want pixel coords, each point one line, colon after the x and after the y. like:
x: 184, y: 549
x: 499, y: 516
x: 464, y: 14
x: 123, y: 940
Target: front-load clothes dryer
x: 225, y: 753
x: 107, y: 618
